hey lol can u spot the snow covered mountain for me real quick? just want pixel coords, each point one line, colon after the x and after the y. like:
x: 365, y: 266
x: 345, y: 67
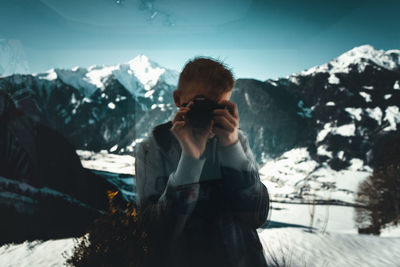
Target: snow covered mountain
x: 321, y: 130
x: 359, y: 58
x: 138, y: 76
x: 316, y: 134
x: 44, y: 118
x: 98, y: 107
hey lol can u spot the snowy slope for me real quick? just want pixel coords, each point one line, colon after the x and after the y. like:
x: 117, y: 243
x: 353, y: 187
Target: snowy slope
x: 298, y: 247
x: 105, y: 161
x: 296, y: 177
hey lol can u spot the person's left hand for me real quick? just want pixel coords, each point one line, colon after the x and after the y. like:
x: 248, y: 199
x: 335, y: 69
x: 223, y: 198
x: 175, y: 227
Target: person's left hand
x: 226, y: 123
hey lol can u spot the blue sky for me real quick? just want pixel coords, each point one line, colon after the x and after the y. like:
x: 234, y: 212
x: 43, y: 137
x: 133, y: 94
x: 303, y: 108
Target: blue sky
x: 259, y: 39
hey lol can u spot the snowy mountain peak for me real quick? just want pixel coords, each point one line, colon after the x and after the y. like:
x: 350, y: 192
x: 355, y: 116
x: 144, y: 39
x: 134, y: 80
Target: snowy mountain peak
x: 135, y: 75
x: 140, y: 59
x: 147, y: 72
x: 360, y: 56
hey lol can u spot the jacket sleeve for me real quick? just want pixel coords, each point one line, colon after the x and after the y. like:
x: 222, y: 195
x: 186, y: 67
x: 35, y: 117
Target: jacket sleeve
x: 171, y: 192
x: 247, y: 194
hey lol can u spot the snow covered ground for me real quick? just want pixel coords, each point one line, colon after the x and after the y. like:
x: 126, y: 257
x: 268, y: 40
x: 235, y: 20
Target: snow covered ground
x: 296, y: 177
x: 300, y: 248
x: 295, y: 245
x: 36, y: 253
x: 331, y: 218
x: 334, y: 240
x: 105, y: 161
x: 293, y: 177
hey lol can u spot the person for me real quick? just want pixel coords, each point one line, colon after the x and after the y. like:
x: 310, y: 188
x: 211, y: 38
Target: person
x: 203, y: 182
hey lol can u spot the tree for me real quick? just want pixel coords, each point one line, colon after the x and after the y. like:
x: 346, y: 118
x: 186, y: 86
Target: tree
x: 378, y: 197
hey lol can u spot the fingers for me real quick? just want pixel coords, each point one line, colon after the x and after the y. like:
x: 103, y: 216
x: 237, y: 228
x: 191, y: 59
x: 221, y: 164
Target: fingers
x: 180, y: 115
x: 177, y: 126
x: 225, y: 123
x: 232, y: 107
x: 224, y: 113
x: 227, y: 118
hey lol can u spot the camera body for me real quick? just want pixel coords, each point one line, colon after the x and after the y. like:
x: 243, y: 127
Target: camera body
x: 201, y: 112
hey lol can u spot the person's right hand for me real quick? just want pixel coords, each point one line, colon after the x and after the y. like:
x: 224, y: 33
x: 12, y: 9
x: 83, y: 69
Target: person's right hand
x: 193, y: 141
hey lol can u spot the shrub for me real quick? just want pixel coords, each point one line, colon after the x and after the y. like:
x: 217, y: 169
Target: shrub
x: 119, y: 238
x: 378, y: 197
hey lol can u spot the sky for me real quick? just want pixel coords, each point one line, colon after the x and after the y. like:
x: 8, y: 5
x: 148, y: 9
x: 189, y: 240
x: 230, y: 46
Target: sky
x: 259, y: 39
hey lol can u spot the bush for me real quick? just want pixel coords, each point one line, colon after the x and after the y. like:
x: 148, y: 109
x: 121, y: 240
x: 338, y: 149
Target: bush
x: 119, y: 238
x: 378, y: 196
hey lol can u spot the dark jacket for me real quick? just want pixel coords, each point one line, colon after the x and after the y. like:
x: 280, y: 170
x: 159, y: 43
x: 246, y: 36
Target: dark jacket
x: 212, y: 222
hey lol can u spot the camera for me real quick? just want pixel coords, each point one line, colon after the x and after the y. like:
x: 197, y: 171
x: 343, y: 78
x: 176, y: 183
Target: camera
x: 201, y: 111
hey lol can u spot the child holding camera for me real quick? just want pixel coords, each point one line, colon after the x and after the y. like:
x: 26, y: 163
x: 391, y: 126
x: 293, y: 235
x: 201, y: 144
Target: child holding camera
x: 200, y: 173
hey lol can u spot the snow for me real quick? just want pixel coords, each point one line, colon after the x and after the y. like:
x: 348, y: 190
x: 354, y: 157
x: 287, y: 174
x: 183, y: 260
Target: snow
x: 114, y: 148
x: 246, y: 97
x: 36, y: 253
x: 147, y: 72
x: 325, y: 246
x: 324, y: 132
x: 391, y: 231
x: 366, y: 96
x: 301, y: 248
x: 375, y: 113
x: 96, y: 74
x: 48, y: 75
x: 392, y: 114
x: 323, y: 152
x: 331, y: 218
x: 148, y: 93
x: 281, y: 175
x: 87, y: 100
x: 360, y: 56
x: 333, y: 242
x: 355, y: 113
x: 138, y: 76
x: 294, y: 79
x: 387, y: 96
x: 396, y: 85
x: 330, y: 103
x: 105, y: 161
x: 288, y: 175
x: 272, y: 83
x: 111, y: 105
x: 345, y: 130
x: 333, y: 79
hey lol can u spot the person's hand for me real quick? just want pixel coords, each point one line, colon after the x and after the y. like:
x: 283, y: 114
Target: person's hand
x: 226, y: 123
x: 193, y: 141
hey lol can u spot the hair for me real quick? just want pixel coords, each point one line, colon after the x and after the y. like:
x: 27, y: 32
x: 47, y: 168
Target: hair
x: 211, y: 74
